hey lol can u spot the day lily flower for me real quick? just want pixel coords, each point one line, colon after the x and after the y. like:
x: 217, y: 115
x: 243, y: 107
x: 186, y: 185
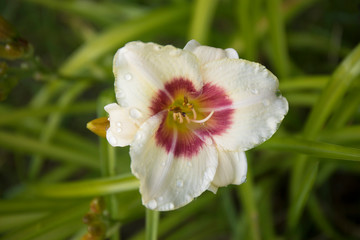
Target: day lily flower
x: 188, y: 115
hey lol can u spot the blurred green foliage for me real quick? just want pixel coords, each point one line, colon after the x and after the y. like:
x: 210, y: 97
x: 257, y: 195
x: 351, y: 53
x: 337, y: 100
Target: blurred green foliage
x: 55, y: 76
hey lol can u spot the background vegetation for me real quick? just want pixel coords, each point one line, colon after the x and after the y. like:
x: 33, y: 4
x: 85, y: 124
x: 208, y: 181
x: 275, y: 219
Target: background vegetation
x: 55, y: 76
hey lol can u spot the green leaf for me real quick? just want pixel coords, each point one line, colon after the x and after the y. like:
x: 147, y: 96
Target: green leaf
x: 17, y: 142
x: 86, y: 188
x: 312, y: 148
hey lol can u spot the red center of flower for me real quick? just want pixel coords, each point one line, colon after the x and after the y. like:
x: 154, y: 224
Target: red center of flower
x: 190, y: 117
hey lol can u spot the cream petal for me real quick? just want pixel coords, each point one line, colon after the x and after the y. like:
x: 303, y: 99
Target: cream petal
x: 122, y: 128
x: 232, y: 168
x: 231, y: 53
x: 191, y: 45
x: 168, y: 182
x: 258, y: 107
x: 142, y: 69
x: 207, y: 54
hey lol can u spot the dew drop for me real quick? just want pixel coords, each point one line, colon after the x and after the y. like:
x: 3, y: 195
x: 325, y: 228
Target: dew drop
x: 120, y: 94
x: 175, y: 52
x: 243, y: 179
x: 111, y: 139
x: 157, y: 47
x: 128, y: 76
x: 118, y: 124
x: 123, y: 103
x: 135, y: 113
x: 163, y: 163
x: 118, y: 130
x: 152, y: 204
x: 169, y: 206
x: 189, y: 164
x: 254, y: 91
x: 179, y: 183
x: 266, y: 102
x: 188, y: 198
x: 138, y: 136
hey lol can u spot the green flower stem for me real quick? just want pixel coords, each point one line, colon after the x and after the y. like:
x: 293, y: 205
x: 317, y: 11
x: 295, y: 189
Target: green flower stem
x: 247, y: 197
x: 108, y: 160
x: 86, y: 188
x: 115, y: 36
x: 152, y: 222
x: 229, y: 209
x: 313, y: 148
x: 202, y: 17
x: 279, y: 52
x: 176, y: 218
x: 343, y: 76
x: 22, y: 143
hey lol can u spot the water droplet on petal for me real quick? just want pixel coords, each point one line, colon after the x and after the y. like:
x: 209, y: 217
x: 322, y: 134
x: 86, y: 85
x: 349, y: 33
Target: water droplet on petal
x: 157, y: 47
x: 243, y: 179
x: 139, y: 136
x: 120, y: 94
x: 254, y: 91
x: 112, y: 140
x: 123, y: 103
x: 175, y: 52
x: 118, y: 124
x: 179, y: 183
x: 168, y: 206
x: 189, y: 164
x: 163, y: 163
x: 266, y: 102
x: 118, y: 130
x: 152, y: 204
x: 128, y: 76
x: 188, y: 198
x: 135, y: 113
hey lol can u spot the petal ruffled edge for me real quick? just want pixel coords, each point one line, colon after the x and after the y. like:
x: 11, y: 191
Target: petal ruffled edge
x: 258, y: 106
x: 207, y: 54
x: 232, y: 168
x: 122, y: 128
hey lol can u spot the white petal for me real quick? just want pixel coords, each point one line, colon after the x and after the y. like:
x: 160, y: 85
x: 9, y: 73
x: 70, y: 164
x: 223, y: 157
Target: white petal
x: 142, y: 69
x: 258, y: 109
x: 122, y: 128
x: 207, y: 54
x: 191, y: 45
x: 232, y: 168
x: 168, y: 182
x: 231, y: 53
